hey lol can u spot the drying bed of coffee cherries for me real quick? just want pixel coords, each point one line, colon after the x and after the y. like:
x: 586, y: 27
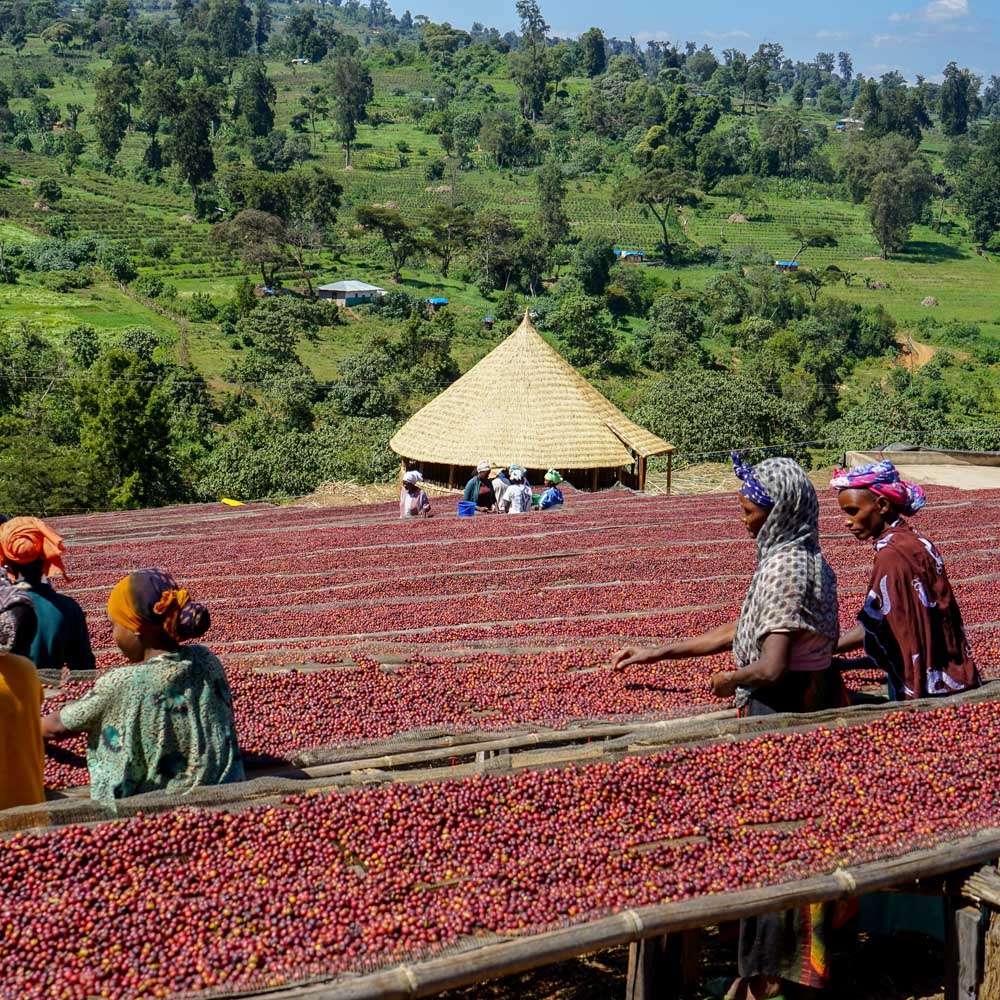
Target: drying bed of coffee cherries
x: 279, y: 715
x: 195, y: 900
x: 294, y: 585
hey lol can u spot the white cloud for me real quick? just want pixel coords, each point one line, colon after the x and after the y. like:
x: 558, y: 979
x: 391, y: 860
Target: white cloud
x: 727, y: 36
x: 935, y: 10
x: 653, y: 36
x: 831, y: 36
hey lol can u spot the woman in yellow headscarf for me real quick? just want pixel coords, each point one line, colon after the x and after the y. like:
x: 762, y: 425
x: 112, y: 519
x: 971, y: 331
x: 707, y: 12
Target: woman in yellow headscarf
x: 165, y: 722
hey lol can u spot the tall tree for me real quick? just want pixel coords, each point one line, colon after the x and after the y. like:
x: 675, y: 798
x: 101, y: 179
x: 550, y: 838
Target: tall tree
x: 254, y: 97
x: 959, y: 99
x: 450, y: 230
x: 72, y: 149
x: 228, y: 25
x: 256, y: 238
x: 352, y: 91
x: 658, y: 192
x: 122, y: 411
x: 110, y: 115
x: 261, y: 24
x: 191, y: 140
x: 739, y: 71
x: 160, y: 97
x: 531, y: 67
x: 979, y: 187
x: 315, y: 105
x: 896, y: 201
x: 593, y: 52
x: 846, y: 66
x: 399, y: 237
x: 551, y: 198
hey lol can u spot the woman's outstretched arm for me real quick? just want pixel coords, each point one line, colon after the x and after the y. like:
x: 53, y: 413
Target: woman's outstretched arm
x: 716, y: 640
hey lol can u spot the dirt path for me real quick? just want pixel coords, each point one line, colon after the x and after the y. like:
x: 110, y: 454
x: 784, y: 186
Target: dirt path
x: 914, y: 355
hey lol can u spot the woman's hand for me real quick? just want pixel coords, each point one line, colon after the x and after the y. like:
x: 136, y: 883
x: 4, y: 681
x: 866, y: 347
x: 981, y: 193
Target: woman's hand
x: 631, y: 655
x: 53, y: 728
x: 723, y: 684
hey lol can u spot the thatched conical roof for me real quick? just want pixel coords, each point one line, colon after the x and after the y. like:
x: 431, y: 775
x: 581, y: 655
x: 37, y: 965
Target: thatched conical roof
x: 523, y: 403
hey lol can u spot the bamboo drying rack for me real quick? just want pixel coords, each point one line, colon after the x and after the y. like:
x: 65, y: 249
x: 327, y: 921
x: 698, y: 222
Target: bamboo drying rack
x: 440, y: 757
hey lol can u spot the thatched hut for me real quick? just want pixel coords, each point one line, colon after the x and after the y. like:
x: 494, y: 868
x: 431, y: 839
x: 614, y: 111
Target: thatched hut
x: 524, y: 403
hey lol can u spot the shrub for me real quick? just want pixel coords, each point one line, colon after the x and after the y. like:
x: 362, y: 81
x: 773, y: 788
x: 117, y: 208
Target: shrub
x: 201, y: 308
x: 55, y: 254
x: 49, y: 190
x: 118, y: 264
x: 150, y: 286
x: 137, y: 340
x: 66, y: 281
x: 158, y: 248
x: 396, y: 304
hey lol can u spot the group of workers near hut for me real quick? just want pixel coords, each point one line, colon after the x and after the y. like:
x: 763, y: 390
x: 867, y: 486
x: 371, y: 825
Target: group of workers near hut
x: 165, y: 721
x: 509, y: 492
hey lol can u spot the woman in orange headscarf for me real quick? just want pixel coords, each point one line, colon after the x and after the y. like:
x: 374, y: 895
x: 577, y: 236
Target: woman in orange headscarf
x: 31, y: 553
x: 166, y: 721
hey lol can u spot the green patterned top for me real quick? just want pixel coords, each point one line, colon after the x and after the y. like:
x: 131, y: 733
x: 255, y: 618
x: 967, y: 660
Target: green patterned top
x: 166, y: 724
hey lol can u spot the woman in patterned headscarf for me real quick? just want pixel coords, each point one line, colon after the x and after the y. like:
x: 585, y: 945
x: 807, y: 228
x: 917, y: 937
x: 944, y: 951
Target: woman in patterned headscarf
x: 783, y: 640
x: 910, y: 624
x: 782, y: 645
x: 166, y: 721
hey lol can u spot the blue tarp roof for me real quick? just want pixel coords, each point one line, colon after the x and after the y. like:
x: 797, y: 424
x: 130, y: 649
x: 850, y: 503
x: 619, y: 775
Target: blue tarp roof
x: 786, y: 263
x: 438, y: 301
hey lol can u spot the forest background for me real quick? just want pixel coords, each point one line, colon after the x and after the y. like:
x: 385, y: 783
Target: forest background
x: 176, y: 181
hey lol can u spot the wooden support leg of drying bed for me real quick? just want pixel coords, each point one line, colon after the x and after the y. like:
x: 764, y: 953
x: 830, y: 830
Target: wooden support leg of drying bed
x: 642, y: 474
x: 593, y: 479
x: 963, y: 952
x: 451, y: 477
x: 990, y: 987
x: 662, y: 968
x: 670, y: 470
x: 983, y: 888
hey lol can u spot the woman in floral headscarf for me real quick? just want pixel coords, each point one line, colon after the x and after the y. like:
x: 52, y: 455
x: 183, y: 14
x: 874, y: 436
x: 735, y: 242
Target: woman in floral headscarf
x: 166, y: 721
x: 782, y: 646
x: 910, y: 624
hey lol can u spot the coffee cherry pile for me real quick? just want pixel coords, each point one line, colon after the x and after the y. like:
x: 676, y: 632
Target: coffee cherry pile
x: 193, y: 900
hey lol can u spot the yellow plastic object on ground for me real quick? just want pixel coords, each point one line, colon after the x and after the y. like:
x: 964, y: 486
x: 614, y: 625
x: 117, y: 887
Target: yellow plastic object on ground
x: 232, y: 503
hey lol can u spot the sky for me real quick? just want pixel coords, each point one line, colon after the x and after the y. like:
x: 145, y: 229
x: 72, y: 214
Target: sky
x: 911, y: 36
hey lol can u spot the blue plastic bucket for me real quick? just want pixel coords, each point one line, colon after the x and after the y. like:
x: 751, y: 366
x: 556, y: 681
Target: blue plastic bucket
x: 466, y: 508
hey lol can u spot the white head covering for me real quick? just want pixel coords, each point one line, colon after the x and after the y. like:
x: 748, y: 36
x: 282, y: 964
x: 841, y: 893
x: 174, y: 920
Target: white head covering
x: 516, y: 473
x: 413, y: 477
x: 484, y: 466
